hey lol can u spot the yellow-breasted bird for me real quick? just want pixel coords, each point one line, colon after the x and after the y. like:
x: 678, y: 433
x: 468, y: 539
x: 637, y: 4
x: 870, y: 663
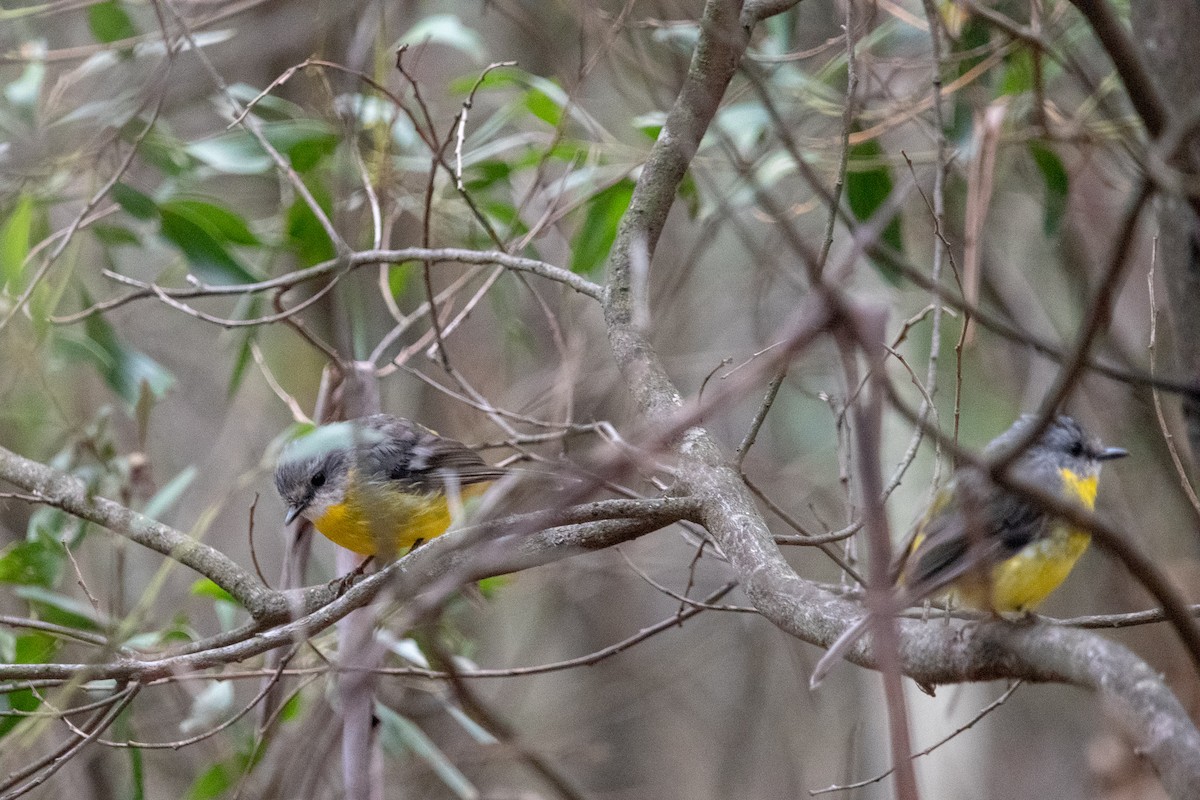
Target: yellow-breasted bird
x: 379, y: 484
x: 988, y: 548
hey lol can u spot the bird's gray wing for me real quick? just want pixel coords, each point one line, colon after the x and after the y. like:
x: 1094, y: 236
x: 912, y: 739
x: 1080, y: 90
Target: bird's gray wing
x: 418, y: 458
x: 955, y: 544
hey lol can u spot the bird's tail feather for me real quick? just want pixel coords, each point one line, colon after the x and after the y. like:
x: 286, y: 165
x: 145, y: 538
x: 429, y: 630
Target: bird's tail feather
x: 838, y: 649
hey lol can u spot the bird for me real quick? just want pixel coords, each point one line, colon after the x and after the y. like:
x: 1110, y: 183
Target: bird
x: 987, y: 548
x: 379, y: 484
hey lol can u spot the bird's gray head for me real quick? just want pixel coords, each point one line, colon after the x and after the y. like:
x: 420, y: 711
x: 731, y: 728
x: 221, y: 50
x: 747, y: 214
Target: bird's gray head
x: 1064, y: 444
x: 314, y: 470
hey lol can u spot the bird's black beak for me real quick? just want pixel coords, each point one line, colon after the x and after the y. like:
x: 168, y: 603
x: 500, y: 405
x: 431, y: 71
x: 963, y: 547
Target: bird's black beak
x: 1109, y: 453
x: 292, y: 513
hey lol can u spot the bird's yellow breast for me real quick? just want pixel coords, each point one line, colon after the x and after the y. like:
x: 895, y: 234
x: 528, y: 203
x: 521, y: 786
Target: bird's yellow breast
x: 1023, y: 581
x: 382, y: 519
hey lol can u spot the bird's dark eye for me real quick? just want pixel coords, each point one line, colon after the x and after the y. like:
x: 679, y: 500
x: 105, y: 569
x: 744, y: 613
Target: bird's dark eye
x: 318, y: 479
x: 1075, y: 450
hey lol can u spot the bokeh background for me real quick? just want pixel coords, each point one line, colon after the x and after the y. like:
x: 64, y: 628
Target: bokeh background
x: 178, y: 416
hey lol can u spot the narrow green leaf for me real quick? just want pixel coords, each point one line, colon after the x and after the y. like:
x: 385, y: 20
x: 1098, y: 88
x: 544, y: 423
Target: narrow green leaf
x: 868, y: 186
x: 15, y: 236
x: 135, y: 203
x: 599, y: 227
x: 122, y: 367
x: 307, y: 238
x: 169, y: 495
x: 35, y: 562
x: 486, y: 174
x: 1058, y: 185
x: 231, y: 227
x: 209, y: 707
x: 445, y: 29
x: 1018, y: 74
x: 212, y: 783
x: 233, y: 154
x: 304, y: 141
x: 543, y: 107
x: 35, y: 647
x: 398, y: 280
x: 650, y: 124
x: 142, y: 410
x: 63, y: 610
x: 248, y: 307
x: 115, y: 236
x: 53, y: 524
x: 292, y: 708
x: 28, y: 648
x: 202, y: 244
x: 137, y: 769
x: 398, y: 733
x: 109, y: 22
x: 241, y: 362
x: 206, y: 588
x: 268, y: 107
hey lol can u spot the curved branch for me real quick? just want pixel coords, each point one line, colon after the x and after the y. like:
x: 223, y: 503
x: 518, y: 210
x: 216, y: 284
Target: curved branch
x: 453, y: 555
x: 354, y: 260
x: 70, y: 494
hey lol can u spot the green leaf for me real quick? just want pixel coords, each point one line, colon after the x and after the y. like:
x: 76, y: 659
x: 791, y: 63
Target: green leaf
x: 1058, y: 185
x: 445, y: 29
x: 203, y: 244
x: 304, y: 141
x: 234, y: 154
x: 486, y: 174
x: 308, y: 153
x: 292, y: 708
x: 650, y: 124
x: 543, y: 107
x: 28, y: 648
x: 1018, y: 74
x: 868, y: 186
x: 229, y: 225
x: 115, y: 236
x: 248, y: 307
x: 35, y: 648
x: 135, y: 203
x: 488, y: 587
x: 157, y: 147
x: 142, y: 411
x: 206, y: 588
x: 15, y: 236
x: 599, y: 229
x: 34, y: 562
x: 63, y: 610
x: 20, y: 700
x: 209, y: 707
x: 53, y: 524
x: 305, y: 234
x: 109, y: 22
x: 397, y: 734
x: 268, y: 106
x: 169, y: 495
x: 245, y: 354
x: 213, y: 782
x: 398, y: 280
x: 23, y: 93
x: 122, y: 367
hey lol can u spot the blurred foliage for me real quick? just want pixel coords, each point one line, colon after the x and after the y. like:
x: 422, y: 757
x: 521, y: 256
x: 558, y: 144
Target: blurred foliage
x: 156, y: 405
